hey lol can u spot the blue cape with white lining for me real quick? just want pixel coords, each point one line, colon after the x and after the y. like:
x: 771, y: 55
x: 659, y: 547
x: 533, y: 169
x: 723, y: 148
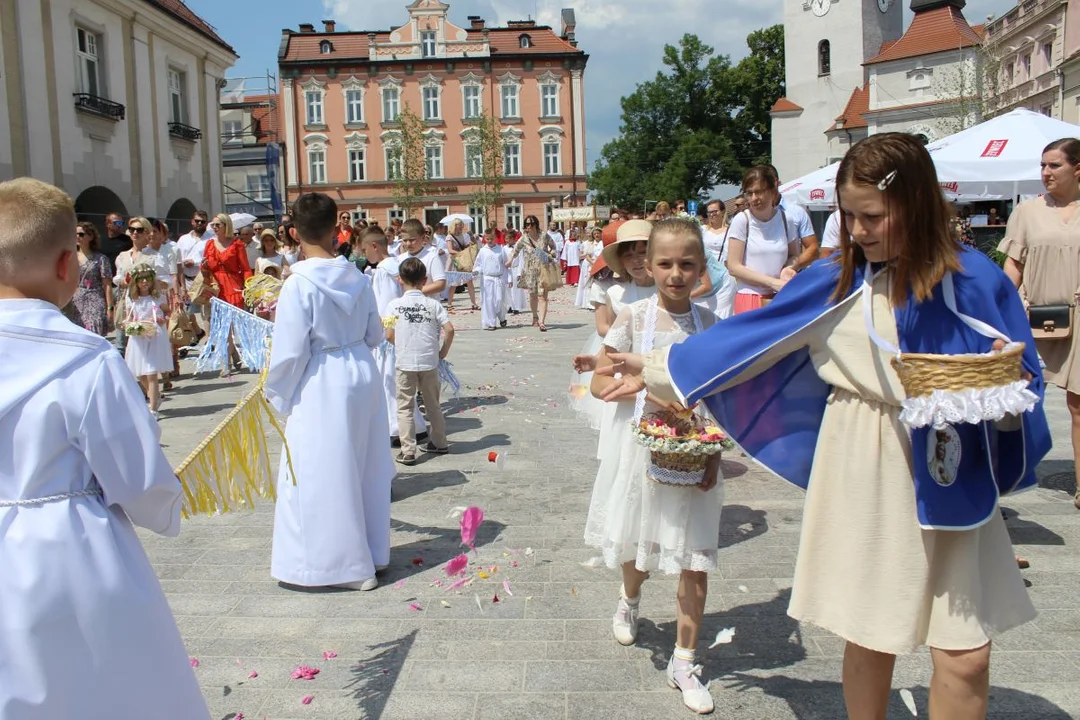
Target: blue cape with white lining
x: 776, y: 415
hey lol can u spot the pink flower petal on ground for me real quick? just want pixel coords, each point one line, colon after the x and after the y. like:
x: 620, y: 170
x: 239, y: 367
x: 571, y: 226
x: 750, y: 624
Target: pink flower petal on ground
x: 306, y: 700
x: 459, y: 584
x: 305, y: 672
x: 194, y: 662
x: 399, y: 584
x: 329, y: 655
x: 252, y: 675
x: 415, y: 606
x: 506, y: 587
x: 470, y: 523
x: 457, y: 565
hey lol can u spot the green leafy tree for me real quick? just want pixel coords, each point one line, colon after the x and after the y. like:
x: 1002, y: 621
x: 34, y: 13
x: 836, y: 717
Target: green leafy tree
x: 698, y: 123
x: 408, y: 160
x: 484, y: 158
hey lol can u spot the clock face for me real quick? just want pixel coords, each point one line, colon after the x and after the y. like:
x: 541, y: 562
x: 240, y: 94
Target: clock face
x: 884, y: 5
x: 820, y: 7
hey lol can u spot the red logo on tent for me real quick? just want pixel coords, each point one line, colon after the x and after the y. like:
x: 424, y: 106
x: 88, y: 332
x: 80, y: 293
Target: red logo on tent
x: 994, y: 148
x: 950, y: 186
x: 817, y: 194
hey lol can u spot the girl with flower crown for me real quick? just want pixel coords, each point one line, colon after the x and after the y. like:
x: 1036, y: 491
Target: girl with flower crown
x: 148, y: 352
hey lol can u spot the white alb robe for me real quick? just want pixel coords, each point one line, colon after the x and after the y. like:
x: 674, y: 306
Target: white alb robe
x: 384, y: 282
x: 491, y: 264
x: 333, y: 525
x: 85, y: 630
x: 519, y: 299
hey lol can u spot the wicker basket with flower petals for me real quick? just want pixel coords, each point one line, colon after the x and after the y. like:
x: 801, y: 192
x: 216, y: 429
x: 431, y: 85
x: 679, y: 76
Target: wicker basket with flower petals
x: 680, y: 446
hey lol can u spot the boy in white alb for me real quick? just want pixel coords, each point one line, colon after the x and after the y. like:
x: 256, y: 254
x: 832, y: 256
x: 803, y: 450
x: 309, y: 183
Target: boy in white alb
x: 571, y: 257
x: 86, y: 631
x: 418, y: 350
x: 383, y: 271
x: 332, y: 521
x: 492, y: 264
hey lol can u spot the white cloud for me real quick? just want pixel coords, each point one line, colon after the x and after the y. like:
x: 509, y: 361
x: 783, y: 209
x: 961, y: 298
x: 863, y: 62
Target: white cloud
x: 624, y: 38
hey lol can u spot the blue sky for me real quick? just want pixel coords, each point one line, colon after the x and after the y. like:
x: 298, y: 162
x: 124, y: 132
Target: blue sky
x: 624, y: 38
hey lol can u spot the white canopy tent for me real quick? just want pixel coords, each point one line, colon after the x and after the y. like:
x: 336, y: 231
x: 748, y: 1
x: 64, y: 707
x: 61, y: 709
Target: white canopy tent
x: 993, y: 160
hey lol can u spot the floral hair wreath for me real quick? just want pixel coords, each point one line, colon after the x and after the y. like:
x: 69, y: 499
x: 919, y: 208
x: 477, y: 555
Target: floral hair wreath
x: 141, y: 271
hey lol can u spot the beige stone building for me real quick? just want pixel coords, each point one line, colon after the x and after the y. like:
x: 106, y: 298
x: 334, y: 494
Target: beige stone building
x: 116, y: 101
x: 342, y: 94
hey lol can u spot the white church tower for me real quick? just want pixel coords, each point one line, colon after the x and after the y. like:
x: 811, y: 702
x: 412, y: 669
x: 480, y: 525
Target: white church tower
x: 826, y: 43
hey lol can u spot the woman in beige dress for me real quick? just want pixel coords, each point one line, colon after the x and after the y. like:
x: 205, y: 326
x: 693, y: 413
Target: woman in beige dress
x: 902, y: 543
x: 1042, y: 242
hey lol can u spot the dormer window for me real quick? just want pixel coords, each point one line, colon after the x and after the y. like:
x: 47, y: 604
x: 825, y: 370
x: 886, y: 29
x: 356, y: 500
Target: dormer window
x: 525, y: 41
x: 326, y: 47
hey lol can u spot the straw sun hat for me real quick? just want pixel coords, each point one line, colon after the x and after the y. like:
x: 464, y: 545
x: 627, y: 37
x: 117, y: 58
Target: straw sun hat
x: 628, y: 232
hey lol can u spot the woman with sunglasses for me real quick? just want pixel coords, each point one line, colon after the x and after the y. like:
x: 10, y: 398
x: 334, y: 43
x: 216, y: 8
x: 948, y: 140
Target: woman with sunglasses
x: 538, y: 252
x: 93, y: 297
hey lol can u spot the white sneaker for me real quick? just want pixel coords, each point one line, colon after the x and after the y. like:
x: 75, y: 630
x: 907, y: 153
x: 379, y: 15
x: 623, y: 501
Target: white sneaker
x: 624, y: 624
x: 369, y: 584
x: 694, y: 695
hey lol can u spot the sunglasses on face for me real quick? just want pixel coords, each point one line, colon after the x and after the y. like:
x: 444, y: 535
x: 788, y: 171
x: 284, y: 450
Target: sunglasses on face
x: 80, y: 234
x: 137, y: 229
x: 118, y: 223
x: 198, y: 221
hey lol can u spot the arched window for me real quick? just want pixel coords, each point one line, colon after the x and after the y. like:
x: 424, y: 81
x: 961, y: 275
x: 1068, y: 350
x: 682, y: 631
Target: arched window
x: 824, y: 58
x: 525, y: 41
x: 325, y: 47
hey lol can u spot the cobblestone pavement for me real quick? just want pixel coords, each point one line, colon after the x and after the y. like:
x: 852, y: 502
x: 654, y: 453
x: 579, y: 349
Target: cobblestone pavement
x: 411, y: 649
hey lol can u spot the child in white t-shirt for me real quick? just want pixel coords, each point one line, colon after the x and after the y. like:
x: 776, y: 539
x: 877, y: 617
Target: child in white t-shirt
x: 418, y: 320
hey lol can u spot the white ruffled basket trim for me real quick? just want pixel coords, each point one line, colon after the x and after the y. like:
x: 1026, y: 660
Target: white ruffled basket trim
x: 681, y: 478
x: 942, y: 408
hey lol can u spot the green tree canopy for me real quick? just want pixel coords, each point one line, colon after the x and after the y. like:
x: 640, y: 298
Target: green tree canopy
x: 698, y: 123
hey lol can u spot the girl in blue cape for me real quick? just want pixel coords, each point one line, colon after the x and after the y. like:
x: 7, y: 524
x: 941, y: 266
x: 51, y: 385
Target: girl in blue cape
x: 902, y: 543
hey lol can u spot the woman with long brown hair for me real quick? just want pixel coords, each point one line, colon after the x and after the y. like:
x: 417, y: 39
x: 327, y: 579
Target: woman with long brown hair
x: 902, y: 544
x: 93, y: 297
x: 1042, y: 242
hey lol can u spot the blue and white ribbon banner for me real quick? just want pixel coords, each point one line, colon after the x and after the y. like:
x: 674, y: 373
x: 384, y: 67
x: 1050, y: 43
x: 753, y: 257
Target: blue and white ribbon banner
x: 251, y: 336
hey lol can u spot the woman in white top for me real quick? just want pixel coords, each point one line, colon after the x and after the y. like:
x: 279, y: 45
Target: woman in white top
x: 763, y: 246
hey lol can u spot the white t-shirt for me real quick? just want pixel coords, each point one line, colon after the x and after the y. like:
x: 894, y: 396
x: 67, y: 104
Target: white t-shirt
x: 416, y: 331
x: 830, y: 236
x: 433, y: 260
x: 170, y: 258
x: 714, y: 242
x: 768, y: 246
x: 191, y: 248
x: 799, y: 219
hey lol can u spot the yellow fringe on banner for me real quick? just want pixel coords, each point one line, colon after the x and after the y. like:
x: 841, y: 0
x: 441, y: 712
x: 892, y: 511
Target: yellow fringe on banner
x: 232, y: 465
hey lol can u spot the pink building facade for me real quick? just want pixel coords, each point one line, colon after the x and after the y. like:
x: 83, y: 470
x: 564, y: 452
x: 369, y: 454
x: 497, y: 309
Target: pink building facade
x: 342, y: 94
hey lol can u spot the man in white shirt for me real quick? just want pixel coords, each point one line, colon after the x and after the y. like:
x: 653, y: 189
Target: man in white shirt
x: 414, y: 244
x: 191, y: 247
x: 830, y: 237
x: 251, y: 243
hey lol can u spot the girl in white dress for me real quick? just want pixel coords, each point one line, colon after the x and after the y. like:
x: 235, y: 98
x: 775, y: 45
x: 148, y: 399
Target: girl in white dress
x: 638, y: 524
x: 148, y: 352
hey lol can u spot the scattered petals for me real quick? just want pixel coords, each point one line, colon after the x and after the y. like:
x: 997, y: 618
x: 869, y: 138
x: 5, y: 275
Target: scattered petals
x: 415, y: 606
x: 482, y: 575
x: 306, y: 700
x: 496, y: 598
x: 594, y: 562
x: 528, y: 552
x: 506, y: 588
x: 470, y: 523
x: 478, y: 603
x: 329, y: 655
x: 513, y: 563
x: 399, y: 584
x: 744, y: 589
x: 305, y: 672
x: 252, y: 675
x: 457, y: 565
x: 909, y: 700
x: 444, y: 603
x: 194, y: 662
x: 724, y: 637
x: 418, y: 561
x: 459, y: 584
x: 573, y: 591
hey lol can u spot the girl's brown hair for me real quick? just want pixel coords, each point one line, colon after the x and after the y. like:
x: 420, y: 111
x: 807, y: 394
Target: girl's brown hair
x: 759, y: 174
x: 919, y: 217
x: 681, y: 228
x: 1069, y: 147
x: 92, y: 233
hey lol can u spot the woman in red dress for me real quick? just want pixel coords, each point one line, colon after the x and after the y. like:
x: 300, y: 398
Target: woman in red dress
x: 225, y: 258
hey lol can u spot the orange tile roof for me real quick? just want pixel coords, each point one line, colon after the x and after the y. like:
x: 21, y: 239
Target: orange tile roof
x: 354, y: 45
x: 931, y: 31
x: 784, y: 105
x: 184, y: 14
x: 857, y: 104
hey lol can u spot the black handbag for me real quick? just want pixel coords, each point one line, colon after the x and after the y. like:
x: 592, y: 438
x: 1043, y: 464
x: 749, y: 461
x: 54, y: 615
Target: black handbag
x: 1051, y: 322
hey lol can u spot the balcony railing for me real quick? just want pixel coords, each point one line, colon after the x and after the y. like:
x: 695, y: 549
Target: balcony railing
x: 99, y: 106
x: 184, y: 132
